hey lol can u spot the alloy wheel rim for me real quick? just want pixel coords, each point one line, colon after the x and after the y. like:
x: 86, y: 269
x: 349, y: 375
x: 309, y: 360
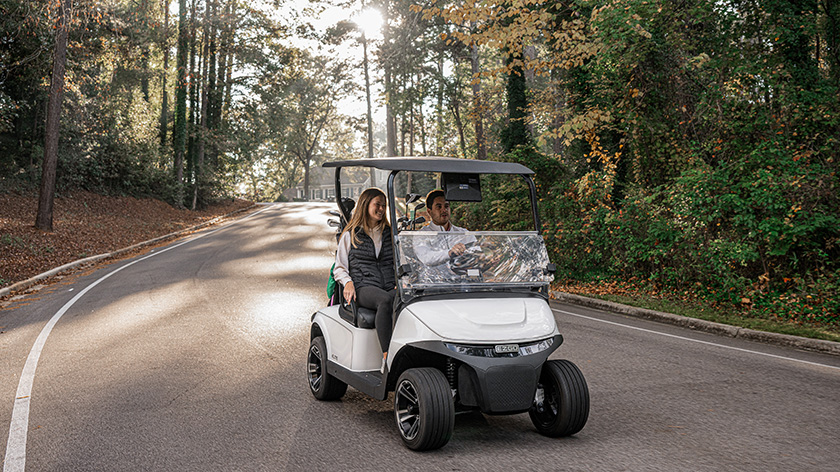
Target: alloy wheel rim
x: 547, y: 409
x: 315, y: 373
x: 407, y: 410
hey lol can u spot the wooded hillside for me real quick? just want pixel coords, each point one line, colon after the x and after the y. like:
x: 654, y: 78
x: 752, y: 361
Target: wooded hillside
x: 688, y: 144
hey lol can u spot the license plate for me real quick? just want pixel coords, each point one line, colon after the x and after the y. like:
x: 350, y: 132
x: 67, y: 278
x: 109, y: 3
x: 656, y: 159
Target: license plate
x: 507, y: 348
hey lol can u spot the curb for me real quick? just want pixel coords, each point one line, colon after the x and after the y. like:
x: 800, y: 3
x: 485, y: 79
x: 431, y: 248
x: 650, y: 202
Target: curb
x: 25, y: 284
x: 797, y: 342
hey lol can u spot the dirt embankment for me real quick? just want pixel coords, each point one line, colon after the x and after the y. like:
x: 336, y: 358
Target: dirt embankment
x: 85, y: 224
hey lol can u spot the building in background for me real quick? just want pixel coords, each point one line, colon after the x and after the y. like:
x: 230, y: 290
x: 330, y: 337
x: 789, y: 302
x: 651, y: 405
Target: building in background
x: 322, y: 184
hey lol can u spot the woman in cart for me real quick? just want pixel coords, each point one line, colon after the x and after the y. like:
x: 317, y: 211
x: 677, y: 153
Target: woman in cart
x: 364, y: 262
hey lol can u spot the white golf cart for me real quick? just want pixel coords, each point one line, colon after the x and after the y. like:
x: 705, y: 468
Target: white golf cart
x: 471, y: 333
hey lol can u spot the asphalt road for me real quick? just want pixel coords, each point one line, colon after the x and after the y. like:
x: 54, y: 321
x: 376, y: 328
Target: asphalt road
x: 192, y: 357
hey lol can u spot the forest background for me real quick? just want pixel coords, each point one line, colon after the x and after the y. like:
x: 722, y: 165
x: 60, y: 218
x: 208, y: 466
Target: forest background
x: 687, y: 147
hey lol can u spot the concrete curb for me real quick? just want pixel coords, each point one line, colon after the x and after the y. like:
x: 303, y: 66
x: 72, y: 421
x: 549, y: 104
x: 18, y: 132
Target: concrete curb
x: 797, y: 342
x: 25, y: 284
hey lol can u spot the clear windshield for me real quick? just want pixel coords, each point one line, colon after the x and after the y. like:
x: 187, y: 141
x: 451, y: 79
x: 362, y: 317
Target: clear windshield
x: 490, y: 261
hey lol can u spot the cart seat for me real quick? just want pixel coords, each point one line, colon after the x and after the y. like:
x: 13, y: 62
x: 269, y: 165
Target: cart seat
x: 358, y: 316
x: 352, y: 313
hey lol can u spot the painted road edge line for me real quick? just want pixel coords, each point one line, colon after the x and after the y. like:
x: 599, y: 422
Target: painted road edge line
x: 798, y: 342
x: 683, y: 338
x: 15, y: 458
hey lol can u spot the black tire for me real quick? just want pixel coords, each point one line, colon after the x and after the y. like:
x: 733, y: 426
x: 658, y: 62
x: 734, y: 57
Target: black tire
x: 564, y: 408
x: 323, y: 385
x: 424, y: 409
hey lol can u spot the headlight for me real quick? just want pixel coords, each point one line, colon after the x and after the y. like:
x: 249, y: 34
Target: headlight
x: 536, y: 347
x: 479, y: 351
x: 501, y: 350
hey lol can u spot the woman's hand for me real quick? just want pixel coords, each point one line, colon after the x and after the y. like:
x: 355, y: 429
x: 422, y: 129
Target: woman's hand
x: 349, y: 292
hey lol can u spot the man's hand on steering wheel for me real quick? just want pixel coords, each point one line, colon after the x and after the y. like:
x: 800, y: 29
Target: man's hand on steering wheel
x: 457, y: 250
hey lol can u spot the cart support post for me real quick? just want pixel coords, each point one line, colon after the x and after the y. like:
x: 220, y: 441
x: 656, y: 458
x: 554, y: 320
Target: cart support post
x: 534, y: 210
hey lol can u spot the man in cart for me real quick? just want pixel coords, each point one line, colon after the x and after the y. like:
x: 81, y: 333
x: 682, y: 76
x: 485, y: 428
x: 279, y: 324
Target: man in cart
x: 448, y: 243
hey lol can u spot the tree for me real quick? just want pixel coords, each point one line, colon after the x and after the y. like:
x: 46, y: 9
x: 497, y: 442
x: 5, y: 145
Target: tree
x: 478, y: 105
x: 515, y: 133
x: 44, y: 217
x: 309, y: 108
x: 164, y: 118
x: 180, y: 133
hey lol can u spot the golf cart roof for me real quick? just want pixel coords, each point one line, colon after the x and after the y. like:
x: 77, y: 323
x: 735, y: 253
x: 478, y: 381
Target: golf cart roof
x: 436, y: 164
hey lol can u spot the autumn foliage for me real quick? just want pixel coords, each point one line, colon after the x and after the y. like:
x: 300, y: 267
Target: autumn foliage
x: 686, y: 144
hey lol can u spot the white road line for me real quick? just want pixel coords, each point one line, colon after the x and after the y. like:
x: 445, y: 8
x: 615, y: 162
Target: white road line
x: 696, y: 340
x: 15, y: 459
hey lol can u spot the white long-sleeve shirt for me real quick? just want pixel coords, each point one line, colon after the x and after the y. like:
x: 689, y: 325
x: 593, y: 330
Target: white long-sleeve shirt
x: 437, y: 252
x: 341, y: 272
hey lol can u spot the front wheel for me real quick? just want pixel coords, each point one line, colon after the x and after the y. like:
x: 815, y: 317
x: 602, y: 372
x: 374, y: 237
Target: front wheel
x: 561, y: 404
x: 424, y: 409
x: 323, y: 385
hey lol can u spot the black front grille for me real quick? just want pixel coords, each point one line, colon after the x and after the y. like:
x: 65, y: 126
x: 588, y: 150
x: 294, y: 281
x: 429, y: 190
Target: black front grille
x: 510, y: 388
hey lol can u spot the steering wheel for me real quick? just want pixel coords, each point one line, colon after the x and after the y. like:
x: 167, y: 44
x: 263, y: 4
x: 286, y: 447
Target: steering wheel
x: 468, y: 260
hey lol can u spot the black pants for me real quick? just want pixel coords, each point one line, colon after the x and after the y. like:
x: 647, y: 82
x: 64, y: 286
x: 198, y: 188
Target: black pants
x: 383, y: 302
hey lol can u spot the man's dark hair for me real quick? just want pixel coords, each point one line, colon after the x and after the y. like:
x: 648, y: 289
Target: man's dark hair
x: 430, y: 198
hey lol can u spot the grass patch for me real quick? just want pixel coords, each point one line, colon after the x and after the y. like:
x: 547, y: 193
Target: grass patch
x: 18, y: 242
x: 709, y: 312
x: 13, y: 241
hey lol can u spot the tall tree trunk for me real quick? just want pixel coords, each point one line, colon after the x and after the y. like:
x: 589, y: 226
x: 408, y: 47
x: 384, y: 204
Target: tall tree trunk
x: 831, y: 30
x: 180, y: 133
x: 439, y: 109
x: 422, y: 125
x: 558, y: 147
x: 44, y: 217
x: 403, y: 132
x: 164, y: 119
x: 232, y: 22
x: 515, y: 133
x: 478, y: 104
x: 37, y: 123
x: 411, y: 125
x: 228, y: 85
x: 369, y: 113
x: 144, y: 78
x: 213, y: 106
x: 221, y: 76
x: 459, y: 124
x: 530, y: 53
x: 211, y: 31
x: 306, y: 182
x: 194, y: 84
x: 205, y: 80
x: 390, y: 119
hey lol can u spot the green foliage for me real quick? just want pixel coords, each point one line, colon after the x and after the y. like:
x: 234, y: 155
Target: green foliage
x: 113, y: 101
x: 701, y: 141
x: 515, y: 133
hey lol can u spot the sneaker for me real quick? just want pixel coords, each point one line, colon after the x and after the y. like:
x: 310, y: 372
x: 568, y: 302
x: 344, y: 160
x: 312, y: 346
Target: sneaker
x: 384, y: 363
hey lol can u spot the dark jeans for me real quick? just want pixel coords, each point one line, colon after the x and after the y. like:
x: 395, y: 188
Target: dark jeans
x: 383, y: 302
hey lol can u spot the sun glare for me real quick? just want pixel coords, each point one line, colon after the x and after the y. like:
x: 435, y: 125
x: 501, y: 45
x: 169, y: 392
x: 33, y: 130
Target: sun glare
x: 369, y: 20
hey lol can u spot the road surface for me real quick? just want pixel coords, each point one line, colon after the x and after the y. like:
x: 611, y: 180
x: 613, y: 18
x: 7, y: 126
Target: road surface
x: 193, y: 357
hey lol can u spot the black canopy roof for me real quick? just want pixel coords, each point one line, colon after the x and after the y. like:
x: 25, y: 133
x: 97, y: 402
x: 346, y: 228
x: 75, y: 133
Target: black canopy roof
x: 435, y: 164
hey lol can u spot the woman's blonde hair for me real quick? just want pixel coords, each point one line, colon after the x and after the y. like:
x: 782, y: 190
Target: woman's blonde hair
x: 361, y: 217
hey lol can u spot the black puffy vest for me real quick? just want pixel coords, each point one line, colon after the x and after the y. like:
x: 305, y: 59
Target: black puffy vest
x: 366, y: 268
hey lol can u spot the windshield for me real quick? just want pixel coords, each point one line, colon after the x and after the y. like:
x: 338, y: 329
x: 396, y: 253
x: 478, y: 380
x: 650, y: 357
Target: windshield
x: 490, y: 261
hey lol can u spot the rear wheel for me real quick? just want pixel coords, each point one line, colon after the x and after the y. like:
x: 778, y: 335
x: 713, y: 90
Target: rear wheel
x: 323, y: 385
x: 424, y: 409
x: 561, y: 404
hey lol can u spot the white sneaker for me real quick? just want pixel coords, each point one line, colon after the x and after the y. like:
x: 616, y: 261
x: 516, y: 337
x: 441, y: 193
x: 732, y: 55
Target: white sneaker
x: 384, y: 365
